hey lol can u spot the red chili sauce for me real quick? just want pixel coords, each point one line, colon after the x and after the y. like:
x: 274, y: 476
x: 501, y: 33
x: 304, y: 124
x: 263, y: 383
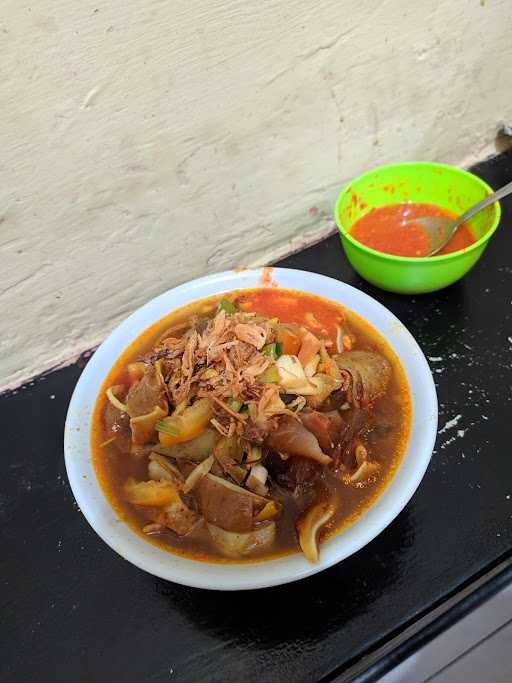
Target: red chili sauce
x: 381, y: 229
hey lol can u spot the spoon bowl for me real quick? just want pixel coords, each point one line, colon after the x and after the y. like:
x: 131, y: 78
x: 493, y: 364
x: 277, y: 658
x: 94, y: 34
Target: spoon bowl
x: 441, y: 229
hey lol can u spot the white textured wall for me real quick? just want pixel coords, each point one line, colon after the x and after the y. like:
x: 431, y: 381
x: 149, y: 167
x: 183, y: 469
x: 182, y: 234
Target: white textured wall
x: 145, y: 142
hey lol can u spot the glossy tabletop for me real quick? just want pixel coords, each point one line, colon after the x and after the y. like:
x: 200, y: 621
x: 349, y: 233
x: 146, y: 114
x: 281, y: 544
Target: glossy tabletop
x: 73, y: 610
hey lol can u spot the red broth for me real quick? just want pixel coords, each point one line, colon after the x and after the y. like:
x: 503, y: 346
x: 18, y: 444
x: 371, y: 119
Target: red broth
x: 381, y: 229
x: 387, y: 434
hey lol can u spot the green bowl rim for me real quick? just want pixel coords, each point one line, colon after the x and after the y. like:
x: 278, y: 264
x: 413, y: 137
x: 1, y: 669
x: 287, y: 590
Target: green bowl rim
x: 419, y: 259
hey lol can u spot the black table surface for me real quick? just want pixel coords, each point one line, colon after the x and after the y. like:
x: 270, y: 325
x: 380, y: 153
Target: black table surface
x: 73, y: 610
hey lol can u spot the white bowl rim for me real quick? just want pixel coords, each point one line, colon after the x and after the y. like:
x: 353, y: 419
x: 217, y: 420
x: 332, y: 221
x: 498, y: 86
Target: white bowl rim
x: 118, y: 535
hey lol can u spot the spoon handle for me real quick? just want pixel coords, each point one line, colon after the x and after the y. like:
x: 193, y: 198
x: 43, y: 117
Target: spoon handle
x: 499, y: 194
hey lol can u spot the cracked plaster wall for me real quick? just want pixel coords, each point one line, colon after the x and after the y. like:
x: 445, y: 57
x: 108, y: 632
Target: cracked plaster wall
x: 148, y: 142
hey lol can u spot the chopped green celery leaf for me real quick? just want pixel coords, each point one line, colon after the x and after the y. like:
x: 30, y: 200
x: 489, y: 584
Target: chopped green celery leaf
x: 226, y: 306
x: 163, y: 427
x: 255, y: 454
x: 235, y: 405
x: 273, y: 350
x: 270, y: 376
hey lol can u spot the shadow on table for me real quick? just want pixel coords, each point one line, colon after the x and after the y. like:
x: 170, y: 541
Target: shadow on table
x: 305, y: 611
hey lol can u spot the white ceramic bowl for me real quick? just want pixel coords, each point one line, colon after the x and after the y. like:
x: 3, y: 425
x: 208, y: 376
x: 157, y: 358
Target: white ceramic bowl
x: 135, y: 549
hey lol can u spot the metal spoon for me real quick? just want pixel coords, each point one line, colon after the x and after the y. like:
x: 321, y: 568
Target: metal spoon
x: 440, y: 229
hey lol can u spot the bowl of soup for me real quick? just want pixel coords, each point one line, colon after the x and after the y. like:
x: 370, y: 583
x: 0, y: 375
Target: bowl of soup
x: 250, y: 428
x: 370, y: 210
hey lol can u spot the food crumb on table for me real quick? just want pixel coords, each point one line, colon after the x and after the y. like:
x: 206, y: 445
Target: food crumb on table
x: 450, y: 424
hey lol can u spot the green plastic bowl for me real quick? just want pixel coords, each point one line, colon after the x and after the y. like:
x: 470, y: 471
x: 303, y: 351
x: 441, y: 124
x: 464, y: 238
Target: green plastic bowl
x: 448, y: 187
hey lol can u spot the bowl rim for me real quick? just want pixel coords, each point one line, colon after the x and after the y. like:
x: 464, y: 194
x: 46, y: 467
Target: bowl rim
x: 120, y: 537
x: 419, y: 259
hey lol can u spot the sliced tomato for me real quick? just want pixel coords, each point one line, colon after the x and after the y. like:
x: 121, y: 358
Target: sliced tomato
x: 135, y: 371
x: 143, y: 426
x: 310, y: 346
x: 290, y: 342
x: 151, y: 493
